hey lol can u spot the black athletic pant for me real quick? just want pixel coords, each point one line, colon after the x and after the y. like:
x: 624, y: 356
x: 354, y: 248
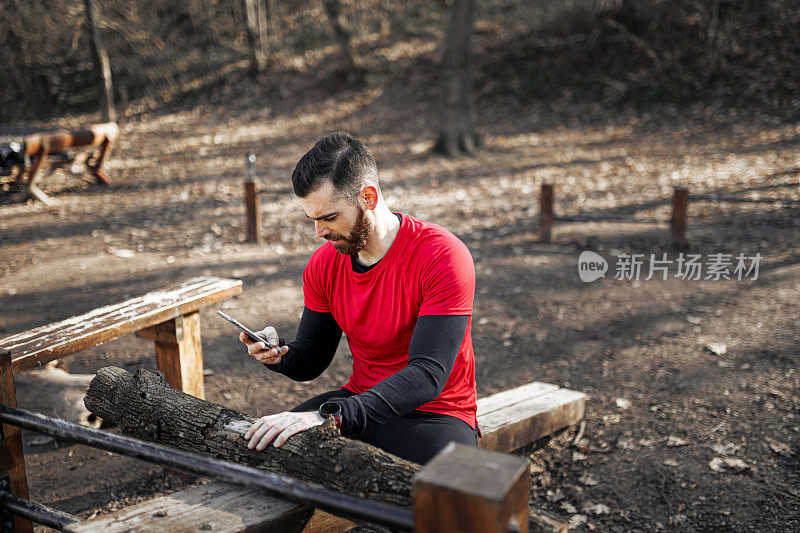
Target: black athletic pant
x: 417, y: 436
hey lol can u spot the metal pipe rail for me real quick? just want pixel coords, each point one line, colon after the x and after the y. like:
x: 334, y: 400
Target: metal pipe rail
x: 274, y: 484
x: 41, y: 514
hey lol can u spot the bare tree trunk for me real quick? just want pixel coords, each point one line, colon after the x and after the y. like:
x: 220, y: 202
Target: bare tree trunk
x: 101, y: 63
x: 145, y: 406
x: 263, y: 34
x: 256, y: 38
x: 457, y: 134
x: 333, y: 8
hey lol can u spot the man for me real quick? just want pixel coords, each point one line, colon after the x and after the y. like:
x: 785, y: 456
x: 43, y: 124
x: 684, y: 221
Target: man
x: 401, y: 289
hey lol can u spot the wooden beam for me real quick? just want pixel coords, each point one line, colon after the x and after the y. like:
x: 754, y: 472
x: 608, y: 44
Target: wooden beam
x: 166, y: 332
x: 33, y: 348
x: 506, y: 398
x: 217, y: 507
x: 468, y: 489
x: 179, y: 354
x: 524, y: 422
x: 323, y: 522
x: 12, y: 460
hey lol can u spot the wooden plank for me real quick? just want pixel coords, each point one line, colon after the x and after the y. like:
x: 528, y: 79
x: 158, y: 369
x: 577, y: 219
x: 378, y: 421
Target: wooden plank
x: 179, y: 354
x: 164, y: 332
x: 468, y: 489
x: 217, y: 507
x: 33, y: 348
x: 502, y: 400
x: 323, y: 522
x: 522, y: 423
x: 12, y: 459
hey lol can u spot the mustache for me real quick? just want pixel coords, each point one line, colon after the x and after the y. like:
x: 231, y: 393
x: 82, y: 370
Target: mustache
x: 334, y: 237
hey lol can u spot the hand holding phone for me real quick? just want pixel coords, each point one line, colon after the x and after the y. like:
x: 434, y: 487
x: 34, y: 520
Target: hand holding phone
x: 270, y: 354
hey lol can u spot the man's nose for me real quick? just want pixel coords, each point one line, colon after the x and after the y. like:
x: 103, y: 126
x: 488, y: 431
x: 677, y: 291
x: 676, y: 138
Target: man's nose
x: 321, y: 229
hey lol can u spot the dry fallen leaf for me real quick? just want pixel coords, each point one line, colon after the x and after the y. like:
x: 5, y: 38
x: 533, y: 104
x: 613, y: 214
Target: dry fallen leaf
x: 623, y: 403
x: 727, y: 448
x: 728, y: 464
x: 717, y: 348
x: 568, y: 507
x: 597, y: 508
x: 577, y: 520
x: 626, y: 443
x: 781, y: 448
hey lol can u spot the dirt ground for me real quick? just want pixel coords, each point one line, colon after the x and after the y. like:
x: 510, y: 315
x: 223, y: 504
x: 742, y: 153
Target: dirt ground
x: 663, y: 407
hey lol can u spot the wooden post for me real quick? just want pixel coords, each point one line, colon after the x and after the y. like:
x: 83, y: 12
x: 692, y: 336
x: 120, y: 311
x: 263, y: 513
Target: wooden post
x: 179, y: 354
x: 680, y: 204
x: 12, y: 460
x: 546, y: 212
x: 472, y: 490
x: 251, y: 201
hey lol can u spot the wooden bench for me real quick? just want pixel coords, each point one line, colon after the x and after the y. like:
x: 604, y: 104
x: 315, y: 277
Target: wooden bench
x: 169, y: 317
x: 509, y: 420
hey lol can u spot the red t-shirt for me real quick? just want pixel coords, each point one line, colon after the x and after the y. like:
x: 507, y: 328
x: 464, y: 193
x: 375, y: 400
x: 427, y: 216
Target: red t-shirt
x: 427, y: 271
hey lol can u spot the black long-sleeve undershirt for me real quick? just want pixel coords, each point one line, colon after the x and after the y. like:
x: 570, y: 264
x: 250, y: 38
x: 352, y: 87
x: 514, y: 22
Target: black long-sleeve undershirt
x: 432, y: 354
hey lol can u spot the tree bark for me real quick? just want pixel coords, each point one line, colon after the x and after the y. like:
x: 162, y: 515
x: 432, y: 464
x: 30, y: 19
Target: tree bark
x: 457, y: 134
x: 256, y: 38
x: 101, y: 63
x: 145, y: 406
x: 333, y: 8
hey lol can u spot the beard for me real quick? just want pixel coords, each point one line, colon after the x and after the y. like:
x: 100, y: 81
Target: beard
x: 357, y: 240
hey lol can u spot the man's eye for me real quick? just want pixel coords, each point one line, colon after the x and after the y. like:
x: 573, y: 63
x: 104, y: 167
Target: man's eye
x: 329, y: 219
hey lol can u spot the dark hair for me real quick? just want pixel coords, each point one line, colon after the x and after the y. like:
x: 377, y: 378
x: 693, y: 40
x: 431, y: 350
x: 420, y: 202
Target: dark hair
x: 340, y: 158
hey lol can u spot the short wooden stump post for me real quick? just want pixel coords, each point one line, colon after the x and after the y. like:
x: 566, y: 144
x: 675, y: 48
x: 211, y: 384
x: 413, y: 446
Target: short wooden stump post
x: 251, y: 200
x: 546, y: 213
x: 12, y: 461
x: 680, y: 204
x: 472, y: 490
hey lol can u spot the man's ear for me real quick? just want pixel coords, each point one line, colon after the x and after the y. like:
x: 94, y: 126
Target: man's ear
x: 369, y: 195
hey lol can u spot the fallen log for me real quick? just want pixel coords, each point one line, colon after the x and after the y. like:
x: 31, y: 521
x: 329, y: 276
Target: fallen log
x: 145, y: 406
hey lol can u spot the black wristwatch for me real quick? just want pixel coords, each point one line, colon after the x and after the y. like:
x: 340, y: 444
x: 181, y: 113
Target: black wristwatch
x: 329, y: 409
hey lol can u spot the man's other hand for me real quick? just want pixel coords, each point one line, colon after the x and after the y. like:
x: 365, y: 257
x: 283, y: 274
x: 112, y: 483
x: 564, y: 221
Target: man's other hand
x: 282, y: 426
x: 260, y: 351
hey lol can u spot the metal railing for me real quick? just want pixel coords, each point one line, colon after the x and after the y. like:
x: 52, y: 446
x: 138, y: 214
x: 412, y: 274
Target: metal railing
x: 274, y: 484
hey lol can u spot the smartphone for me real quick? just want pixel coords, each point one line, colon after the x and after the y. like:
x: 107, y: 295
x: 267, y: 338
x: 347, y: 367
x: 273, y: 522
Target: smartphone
x: 247, y: 330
